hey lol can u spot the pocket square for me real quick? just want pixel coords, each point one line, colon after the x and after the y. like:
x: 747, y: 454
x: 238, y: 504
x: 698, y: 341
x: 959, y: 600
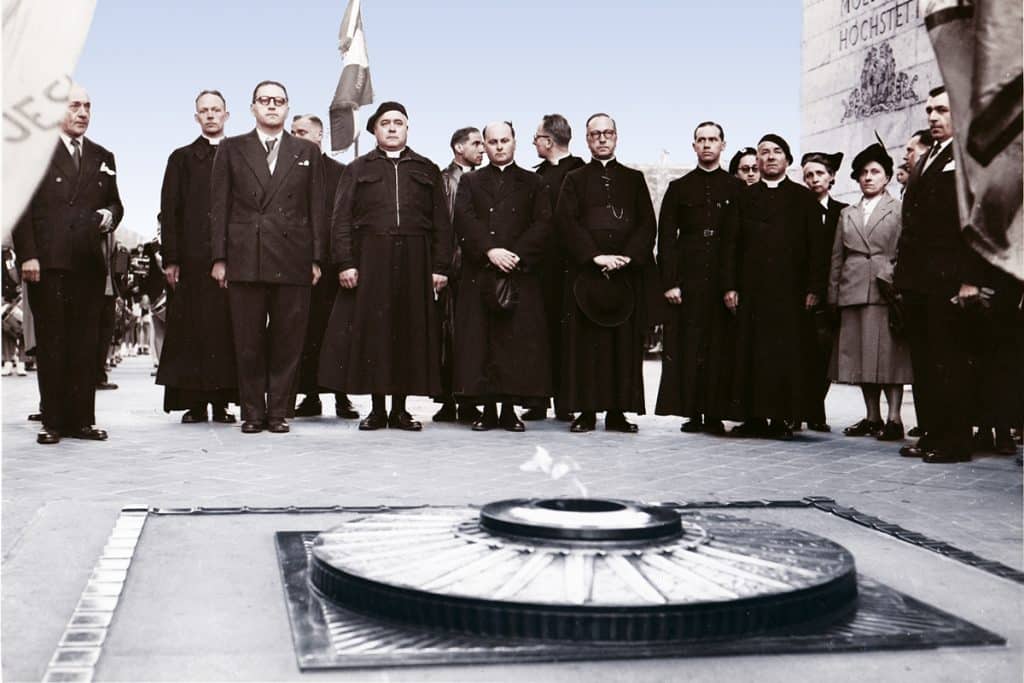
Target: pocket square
x: 951, y: 166
x: 304, y: 162
x: 106, y: 169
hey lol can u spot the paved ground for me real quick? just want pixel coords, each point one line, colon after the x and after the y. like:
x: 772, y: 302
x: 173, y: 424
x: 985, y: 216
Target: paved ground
x: 68, y: 495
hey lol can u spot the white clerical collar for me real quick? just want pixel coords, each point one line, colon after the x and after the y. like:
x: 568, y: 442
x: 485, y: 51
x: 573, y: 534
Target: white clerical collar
x: 708, y: 170
x: 213, y: 141
x: 67, y: 142
x: 393, y: 154
x: 504, y: 166
x: 773, y: 183
x: 465, y: 169
x: 264, y: 136
x: 554, y: 162
x: 605, y: 162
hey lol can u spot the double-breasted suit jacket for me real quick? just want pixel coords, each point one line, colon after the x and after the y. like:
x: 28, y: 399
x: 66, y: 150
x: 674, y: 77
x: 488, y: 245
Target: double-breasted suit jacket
x: 61, y: 228
x: 502, y: 354
x: 863, y: 252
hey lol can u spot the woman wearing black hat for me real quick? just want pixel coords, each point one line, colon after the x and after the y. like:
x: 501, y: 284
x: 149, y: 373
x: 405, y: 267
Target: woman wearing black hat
x: 819, y: 169
x: 867, y: 353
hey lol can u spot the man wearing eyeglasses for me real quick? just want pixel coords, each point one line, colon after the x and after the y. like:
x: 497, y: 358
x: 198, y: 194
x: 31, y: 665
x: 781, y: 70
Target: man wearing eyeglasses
x: 267, y: 227
x: 608, y: 228
x: 698, y: 209
x: 552, y: 144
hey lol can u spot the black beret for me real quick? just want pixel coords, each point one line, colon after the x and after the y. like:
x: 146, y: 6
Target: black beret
x: 830, y: 161
x: 777, y: 139
x: 874, y: 152
x: 382, y: 109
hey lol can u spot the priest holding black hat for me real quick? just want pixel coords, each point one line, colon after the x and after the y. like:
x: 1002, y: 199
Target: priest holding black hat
x: 391, y: 243
x: 772, y: 275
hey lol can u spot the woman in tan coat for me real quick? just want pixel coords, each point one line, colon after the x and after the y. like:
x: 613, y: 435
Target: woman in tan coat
x: 866, y: 352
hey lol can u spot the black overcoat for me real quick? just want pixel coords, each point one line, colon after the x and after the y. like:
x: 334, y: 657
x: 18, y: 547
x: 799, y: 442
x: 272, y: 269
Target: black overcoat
x: 699, y: 334
x: 198, y: 353
x: 605, y: 210
x: 501, y: 355
x: 773, y: 261
x: 391, y: 223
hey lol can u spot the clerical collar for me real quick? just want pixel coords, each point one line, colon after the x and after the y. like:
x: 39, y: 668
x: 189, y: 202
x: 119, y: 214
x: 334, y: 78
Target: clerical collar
x: 605, y: 162
x: 264, y: 136
x: 708, y: 170
x: 213, y: 141
x: 393, y: 155
x: 554, y: 162
x: 773, y: 183
x: 503, y: 167
x: 465, y: 169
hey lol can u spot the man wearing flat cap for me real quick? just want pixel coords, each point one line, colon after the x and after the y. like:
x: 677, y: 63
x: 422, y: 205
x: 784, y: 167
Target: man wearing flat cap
x: 819, y: 170
x: 608, y: 229
x: 773, y: 273
x: 391, y: 242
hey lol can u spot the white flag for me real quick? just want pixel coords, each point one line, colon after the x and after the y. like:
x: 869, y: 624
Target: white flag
x: 42, y: 41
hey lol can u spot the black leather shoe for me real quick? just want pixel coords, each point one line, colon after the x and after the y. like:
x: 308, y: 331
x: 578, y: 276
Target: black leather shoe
x: 713, y: 426
x: 510, y: 423
x: 692, y: 426
x: 344, y: 409
x: 585, y: 422
x: 47, y: 436
x: 194, y: 416
x: 564, y: 416
x: 221, y: 415
x: 751, y: 428
x: 251, y: 427
x: 912, y: 451
x: 278, y: 426
x: 87, y: 433
x: 942, y: 456
x: 310, y: 406
x: 105, y: 386
x: 619, y: 423
x: 447, y: 413
x: 780, y: 429
x: 35, y: 417
x: 864, y: 428
x: 467, y: 414
x: 373, y: 421
x: 533, y: 414
x: 485, y: 423
x: 403, y: 421
x: 819, y: 427
x: 915, y: 433
x: 1005, y: 445
x: 892, y: 431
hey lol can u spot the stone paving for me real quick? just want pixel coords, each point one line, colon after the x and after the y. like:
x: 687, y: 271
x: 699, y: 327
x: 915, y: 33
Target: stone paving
x: 152, y: 459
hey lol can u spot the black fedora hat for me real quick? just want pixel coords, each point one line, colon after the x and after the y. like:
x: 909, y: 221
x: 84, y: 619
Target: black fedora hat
x: 606, y: 298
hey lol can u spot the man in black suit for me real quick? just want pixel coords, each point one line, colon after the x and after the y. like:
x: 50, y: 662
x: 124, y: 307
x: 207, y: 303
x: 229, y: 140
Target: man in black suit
x: 935, y: 271
x: 310, y: 127
x: 267, y: 229
x: 58, y: 241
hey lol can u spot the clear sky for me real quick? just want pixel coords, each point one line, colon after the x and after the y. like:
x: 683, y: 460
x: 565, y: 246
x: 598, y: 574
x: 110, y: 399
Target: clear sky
x: 657, y: 66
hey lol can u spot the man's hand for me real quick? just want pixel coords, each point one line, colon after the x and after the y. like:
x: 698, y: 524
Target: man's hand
x: 219, y: 272
x: 106, y: 218
x: 440, y: 282
x: 732, y: 300
x: 503, y: 259
x: 966, y: 294
x: 30, y: 270
x: 611, y: 261
x: 316, y: 274
x: 173, y: 274
x: 810, y: 301
x: 348, y: 278
x: 674, y: 295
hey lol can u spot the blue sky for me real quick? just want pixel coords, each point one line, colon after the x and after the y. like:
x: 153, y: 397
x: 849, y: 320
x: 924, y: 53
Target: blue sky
x: 658, y: 67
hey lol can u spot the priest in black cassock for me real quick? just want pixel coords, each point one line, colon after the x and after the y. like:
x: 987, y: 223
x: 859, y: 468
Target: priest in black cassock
x: 197, y: 361
x: 772, y: 276
x: 608, y: 228
x: 698, y: 342
x: 503, y: 219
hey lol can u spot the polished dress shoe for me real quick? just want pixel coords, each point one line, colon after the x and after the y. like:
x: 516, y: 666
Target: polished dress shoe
x: 467, y: 414
x: 221, y: 415
x: 403, y: 420
x: 194, y: 416
x: 755, y: 427
x: 448, y: 413
x: 252, y: 426
x: 915, y: 432
x: 47, y: 436
x: 87, y: 433
x: 692, y: 426
x: 584, y: 422
x: 865, y: 427
x: 714, y: 426
x: 344, y: 409
x: 619, y: 423
x: 375, y: 420
x: 892, y: 431
x: 564, y: 416
x: 35, y: 417
x: 106, y: 386
x: 278, y: 426
x: 486, y: 422
x: 944, y: 456
x: 534, y: 414
x: 310, y: 406
x: 912, y: 451
x: 511, y: 423
x: 819, y: 427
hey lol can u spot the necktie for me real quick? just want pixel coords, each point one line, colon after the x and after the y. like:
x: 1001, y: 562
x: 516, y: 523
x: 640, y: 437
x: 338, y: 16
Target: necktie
x: 271, y: 153
x: 270, y: 145
x: 932, y: 154
x: 76, y: 144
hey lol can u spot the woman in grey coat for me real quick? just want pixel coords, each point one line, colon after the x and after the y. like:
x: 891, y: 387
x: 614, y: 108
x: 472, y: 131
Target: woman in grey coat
x: 866, y: 353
